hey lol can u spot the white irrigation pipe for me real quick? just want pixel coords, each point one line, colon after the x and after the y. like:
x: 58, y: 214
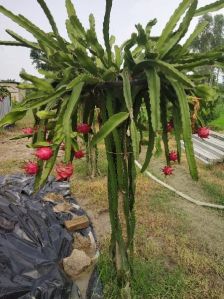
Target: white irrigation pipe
x: 197, y: 202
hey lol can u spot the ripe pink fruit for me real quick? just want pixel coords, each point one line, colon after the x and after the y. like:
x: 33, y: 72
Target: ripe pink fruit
x: 203, y: 132
x: 173, y: 156
x: 79, y: 154
x: 64, y: 171
x: 83, y: 128
x: 44, y: 153
x: 28, y: 131
x: 170, y: 126
x: 167, y: 170
x: 31, y: 168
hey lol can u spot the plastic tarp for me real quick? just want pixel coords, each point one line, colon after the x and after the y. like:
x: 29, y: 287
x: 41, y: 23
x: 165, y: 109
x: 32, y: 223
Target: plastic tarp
x: 33, y: 241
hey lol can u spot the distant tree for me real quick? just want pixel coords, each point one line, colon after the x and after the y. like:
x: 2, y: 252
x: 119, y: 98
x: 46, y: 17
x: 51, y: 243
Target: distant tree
x: 38, y: 59
x: 3, y: 92
x: 208, y: 40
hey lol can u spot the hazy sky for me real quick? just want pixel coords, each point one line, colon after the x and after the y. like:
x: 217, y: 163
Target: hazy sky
x: 125, y: 14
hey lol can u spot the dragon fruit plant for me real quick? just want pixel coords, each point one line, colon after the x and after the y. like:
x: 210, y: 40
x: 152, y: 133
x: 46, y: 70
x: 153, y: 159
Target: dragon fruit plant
x: 156, y: 72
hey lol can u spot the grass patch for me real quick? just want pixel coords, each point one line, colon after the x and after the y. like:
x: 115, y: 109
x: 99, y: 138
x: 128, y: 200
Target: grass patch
x: 27, y: 121
x: 171, y: 261
x: 151, y: 280
x: 215, y: 171
x: 213, y: 190
x: 218, y: 123
x: 10, y: 167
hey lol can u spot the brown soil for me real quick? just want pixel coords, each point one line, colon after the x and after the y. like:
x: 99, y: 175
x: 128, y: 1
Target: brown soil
x: 11, y: 150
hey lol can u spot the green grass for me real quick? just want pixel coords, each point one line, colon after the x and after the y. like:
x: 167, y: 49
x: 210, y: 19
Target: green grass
x: 27, y: 121
x: 214, y: 190
x: 216, y: 170
x: 170, y: 261
x: 151, y: 280
x: 218, y: 124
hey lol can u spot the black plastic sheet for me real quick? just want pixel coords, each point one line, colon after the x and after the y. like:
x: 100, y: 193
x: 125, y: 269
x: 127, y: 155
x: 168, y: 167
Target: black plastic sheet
x: 33, y: 241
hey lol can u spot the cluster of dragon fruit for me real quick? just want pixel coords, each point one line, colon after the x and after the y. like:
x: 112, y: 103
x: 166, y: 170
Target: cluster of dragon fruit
x: 203, y: 132
x: 63, y: 171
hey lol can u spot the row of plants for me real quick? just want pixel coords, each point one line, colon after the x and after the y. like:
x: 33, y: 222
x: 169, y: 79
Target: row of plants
x: 156, y: 72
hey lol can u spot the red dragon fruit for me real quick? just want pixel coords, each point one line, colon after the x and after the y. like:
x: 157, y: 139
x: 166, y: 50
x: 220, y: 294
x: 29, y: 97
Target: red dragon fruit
x: 64, y: 171
x: 83, y: 128
x: 44, y: 153
x: 79, y: 154
x: 28, y: 131
x: 169, y: 126
x: 31, y: 168
x: 203, y: 132
x: 173, y: 156
x: 167, y: 170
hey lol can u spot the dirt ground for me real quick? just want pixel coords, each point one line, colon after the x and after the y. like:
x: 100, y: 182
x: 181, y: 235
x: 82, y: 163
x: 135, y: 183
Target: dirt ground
x: 181, y: 179
x: 207, y: 224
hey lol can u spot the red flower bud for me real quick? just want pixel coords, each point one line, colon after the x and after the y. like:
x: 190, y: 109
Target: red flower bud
x: 79, y: 154
x: 203, y: 132
x: 31, y: 168
x: 169, y: 126
x: 173, y: 156
x: 44, y: 153
x: 64, y: 171
x: 83, y: 128
x: 167, y: 170
x: 28, y: 131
